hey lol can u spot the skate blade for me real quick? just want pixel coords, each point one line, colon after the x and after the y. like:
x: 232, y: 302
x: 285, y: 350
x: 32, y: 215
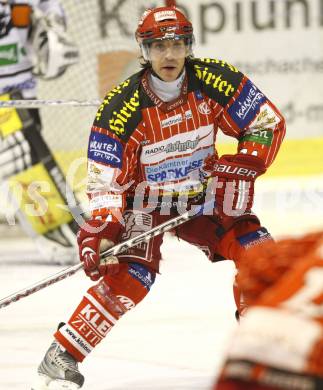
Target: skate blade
x: 45, y: 383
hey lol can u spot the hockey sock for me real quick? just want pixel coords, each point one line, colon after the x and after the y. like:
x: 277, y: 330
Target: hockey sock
x: 102, y: 306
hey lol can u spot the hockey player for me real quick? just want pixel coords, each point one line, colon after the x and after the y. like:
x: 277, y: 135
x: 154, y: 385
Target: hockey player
x: 279, y: 343
x: 33, y: 43
x: 147, y: 147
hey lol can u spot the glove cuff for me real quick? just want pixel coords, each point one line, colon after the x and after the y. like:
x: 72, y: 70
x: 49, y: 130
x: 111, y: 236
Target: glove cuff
x: 246, y: 161
x: 102, y: 229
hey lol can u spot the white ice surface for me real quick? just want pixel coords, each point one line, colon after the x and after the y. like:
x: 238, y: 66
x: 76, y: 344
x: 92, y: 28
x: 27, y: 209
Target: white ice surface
x: 173, y: 340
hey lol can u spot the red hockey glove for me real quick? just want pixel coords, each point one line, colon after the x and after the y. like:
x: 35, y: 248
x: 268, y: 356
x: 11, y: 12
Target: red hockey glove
x: 234, y: 186
x: 94, y: 237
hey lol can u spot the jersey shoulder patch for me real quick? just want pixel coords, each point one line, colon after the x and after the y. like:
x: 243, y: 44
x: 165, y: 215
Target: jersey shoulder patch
x: 120, y: 110
x: 220, y: 80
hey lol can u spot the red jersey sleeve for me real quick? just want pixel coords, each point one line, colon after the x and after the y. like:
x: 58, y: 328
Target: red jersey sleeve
x: 254, y: 121
x: 113, y: 149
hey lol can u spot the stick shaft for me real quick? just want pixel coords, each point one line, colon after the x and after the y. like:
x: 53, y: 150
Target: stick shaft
x: 119, y: 248
x: 38, y: 103
x: 25, y: 292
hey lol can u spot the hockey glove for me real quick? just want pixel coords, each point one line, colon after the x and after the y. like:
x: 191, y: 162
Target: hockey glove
x: 234, y: 182
x: 94, y: 237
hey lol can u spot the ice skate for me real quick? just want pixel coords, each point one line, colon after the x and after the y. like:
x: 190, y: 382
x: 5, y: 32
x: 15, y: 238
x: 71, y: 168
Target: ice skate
x: 58, y: 371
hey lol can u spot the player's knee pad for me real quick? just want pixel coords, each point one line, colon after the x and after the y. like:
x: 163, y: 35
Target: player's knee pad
x: 102, y: 306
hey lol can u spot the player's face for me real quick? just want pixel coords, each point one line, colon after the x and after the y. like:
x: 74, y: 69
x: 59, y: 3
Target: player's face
x: 168, y: 58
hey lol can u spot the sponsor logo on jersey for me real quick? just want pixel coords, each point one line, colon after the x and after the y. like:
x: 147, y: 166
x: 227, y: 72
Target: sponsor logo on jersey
x: 8, y: 54
x: 178, y: 168
x: 175, y: 147
x: 247, y: 105
x: 204, y: 109
x: 216, y: 81
x: 115, y: 91
x: 264, y: 137
x: 105, y: 201
x: 254, y: 238
x: 181, y: 143
x: 141, y: 273
x: 98, y: 173
x: 136, y: 223
x: 120, y: 118
x: 267, y: 118
x: 261, y: 128
x: 175, y: 173
x: 174, y: 120
x: 105, y: 149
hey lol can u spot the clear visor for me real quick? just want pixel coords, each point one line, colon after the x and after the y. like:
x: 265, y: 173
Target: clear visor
x: 157, y: 49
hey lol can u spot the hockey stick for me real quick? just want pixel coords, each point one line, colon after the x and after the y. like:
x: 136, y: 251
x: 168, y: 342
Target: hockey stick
x: 122, y: 247
x: 39, y: 103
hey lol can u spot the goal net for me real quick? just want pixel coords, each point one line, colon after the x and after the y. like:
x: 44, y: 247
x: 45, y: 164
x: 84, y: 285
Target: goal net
x: 103, y: 31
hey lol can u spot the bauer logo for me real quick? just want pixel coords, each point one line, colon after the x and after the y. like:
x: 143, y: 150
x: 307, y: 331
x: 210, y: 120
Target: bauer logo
x: 104, y: 149
x: 247, y: 105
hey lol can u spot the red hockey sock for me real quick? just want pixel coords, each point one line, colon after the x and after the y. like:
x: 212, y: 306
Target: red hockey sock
x: 100, y: 309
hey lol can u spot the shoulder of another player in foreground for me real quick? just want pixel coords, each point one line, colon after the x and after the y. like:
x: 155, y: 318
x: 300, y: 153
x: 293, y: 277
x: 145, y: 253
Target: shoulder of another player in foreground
x: 120, y: 111
x: 219, y: 80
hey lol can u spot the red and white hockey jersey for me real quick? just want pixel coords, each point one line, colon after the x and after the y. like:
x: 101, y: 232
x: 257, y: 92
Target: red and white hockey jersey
x: 139, y: 142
